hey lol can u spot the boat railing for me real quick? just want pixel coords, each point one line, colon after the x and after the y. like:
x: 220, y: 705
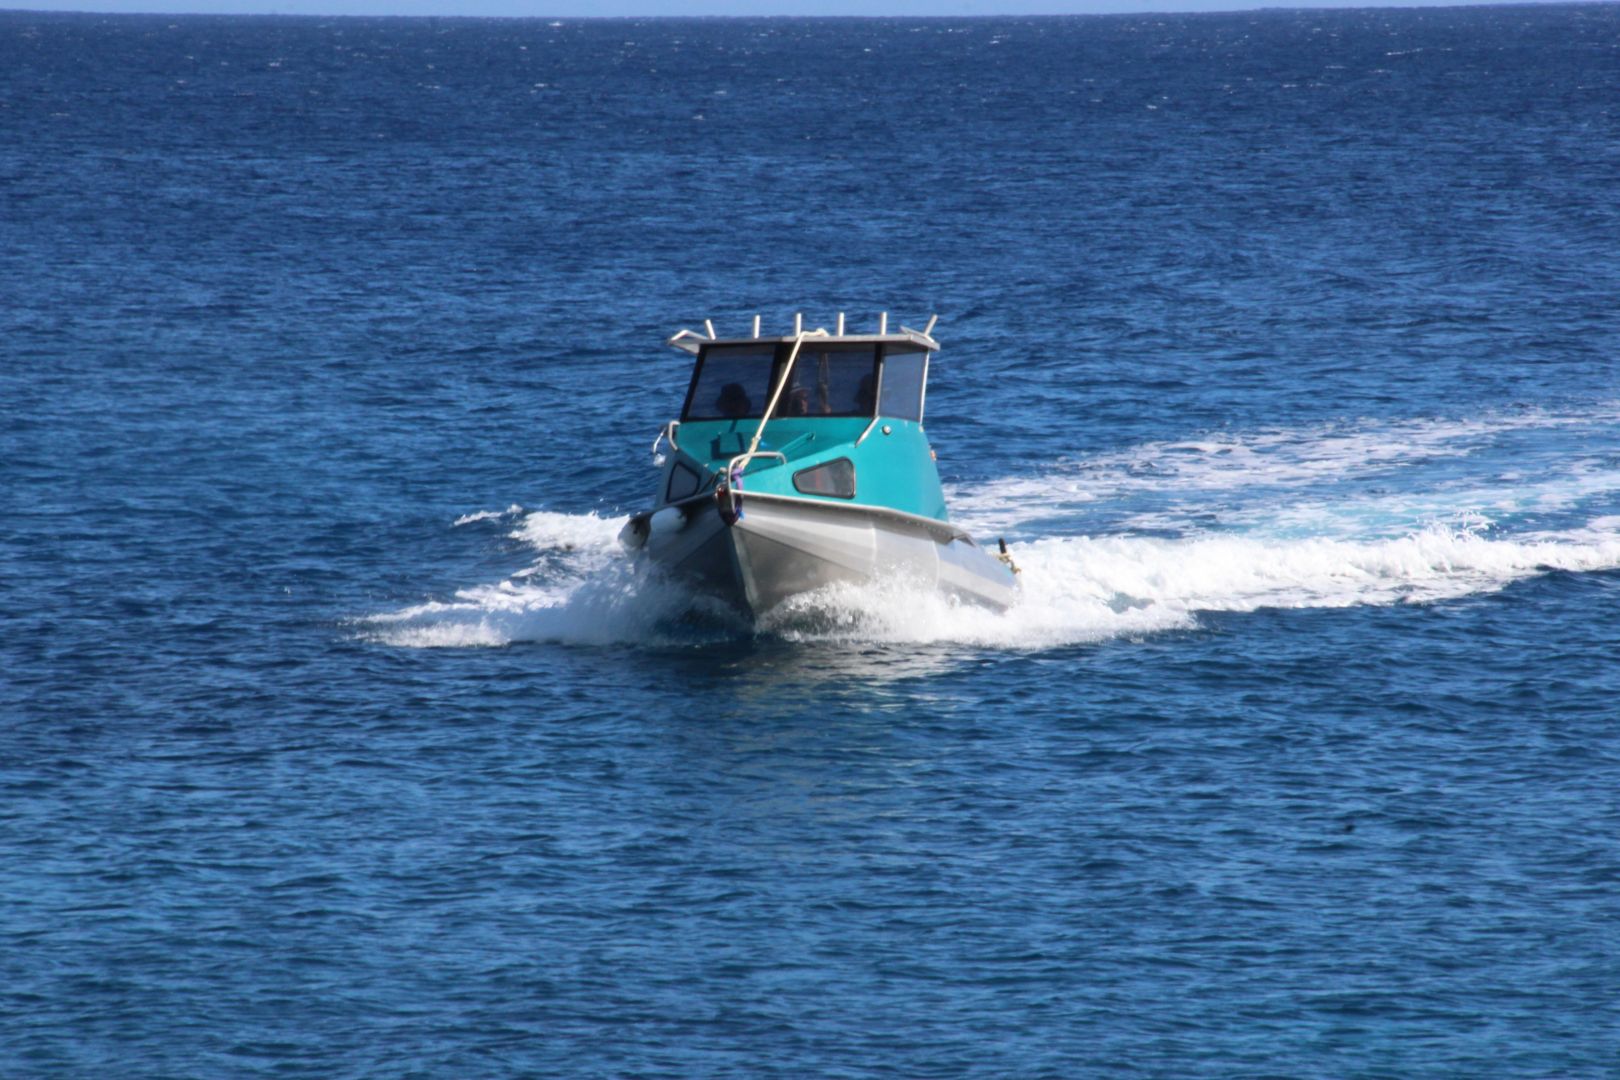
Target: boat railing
x: 667, y: 434
x: 692, y: 342
x: 731, y: 485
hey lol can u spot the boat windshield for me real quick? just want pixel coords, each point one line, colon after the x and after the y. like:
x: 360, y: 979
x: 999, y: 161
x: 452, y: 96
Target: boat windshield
x: 731, y: 384
x: 735, y: 383
x: 831, y: 380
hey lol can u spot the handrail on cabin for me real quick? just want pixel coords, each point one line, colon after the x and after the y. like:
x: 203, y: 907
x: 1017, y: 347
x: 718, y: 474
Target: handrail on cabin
x: 731, y: 480
x: 691, y: 340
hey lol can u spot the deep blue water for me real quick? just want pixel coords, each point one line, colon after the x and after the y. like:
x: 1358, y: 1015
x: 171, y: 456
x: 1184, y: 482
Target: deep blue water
x: 337, y: 738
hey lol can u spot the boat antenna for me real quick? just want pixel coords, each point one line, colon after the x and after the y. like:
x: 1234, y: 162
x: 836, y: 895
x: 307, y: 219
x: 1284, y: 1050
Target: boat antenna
x: 756, y: 326
x: 883, y: 322
x: 928, y: 331
x: 798, y: 323
x: 840, y: 324
x: 708, y: 324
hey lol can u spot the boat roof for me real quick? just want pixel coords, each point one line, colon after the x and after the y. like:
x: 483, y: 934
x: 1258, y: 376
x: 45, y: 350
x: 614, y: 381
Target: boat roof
x: 916, y: 340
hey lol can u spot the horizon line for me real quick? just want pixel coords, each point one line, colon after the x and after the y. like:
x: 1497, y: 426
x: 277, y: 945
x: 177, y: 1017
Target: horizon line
x: 329, y: 10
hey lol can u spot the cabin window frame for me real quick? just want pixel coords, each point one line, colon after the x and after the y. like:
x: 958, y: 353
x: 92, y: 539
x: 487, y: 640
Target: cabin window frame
x: 817, y: 467
x: 779, y: 355
x: 697, y: 370
x: 676, y: 469
x: 922, y: 391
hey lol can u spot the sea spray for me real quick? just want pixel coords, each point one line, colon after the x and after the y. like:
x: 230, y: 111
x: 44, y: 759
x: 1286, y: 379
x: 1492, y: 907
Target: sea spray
x: 1348, y: 479
x: 1333, y: 515
x: 584, y: 590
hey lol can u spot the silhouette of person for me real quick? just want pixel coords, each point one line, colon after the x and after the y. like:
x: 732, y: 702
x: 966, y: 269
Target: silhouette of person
x: 733, y: 402
x: 797, y: 402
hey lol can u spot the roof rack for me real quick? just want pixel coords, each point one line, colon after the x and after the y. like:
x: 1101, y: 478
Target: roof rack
x: 691, y: 341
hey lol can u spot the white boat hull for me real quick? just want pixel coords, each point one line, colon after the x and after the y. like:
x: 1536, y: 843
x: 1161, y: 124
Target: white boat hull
x: 782, y: 547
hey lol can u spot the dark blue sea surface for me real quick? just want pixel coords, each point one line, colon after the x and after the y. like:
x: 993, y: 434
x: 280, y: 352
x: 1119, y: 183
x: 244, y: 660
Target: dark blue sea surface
x: 338, y: 737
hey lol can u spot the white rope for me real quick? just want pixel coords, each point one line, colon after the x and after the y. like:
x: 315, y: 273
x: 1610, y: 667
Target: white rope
x: 781, y: 384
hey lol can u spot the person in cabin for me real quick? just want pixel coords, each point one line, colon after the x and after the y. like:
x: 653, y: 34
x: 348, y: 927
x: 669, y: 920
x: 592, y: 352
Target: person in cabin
x: 733, y: 402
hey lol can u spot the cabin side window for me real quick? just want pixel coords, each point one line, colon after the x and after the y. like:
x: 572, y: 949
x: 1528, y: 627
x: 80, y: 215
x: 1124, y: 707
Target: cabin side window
x: 835, y: 478
x: 902, y: 393
x: 682, y: 482
x: 731, y: 384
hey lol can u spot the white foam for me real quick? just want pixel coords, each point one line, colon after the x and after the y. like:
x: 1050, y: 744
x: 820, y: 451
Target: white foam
x: 487, y: 515
x: 1085, y: 589
x: 580, y: 589
x: 621, y: 603
x: 1288, y: 536
x: 1235, y: 573
x: 1075, y: 589
x: 590, y: 534
x: 1207, y: 471
x: 1474, y: 507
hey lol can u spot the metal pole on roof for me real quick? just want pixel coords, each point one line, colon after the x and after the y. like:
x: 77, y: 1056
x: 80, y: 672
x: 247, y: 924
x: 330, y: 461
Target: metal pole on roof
x: 928, y: 331
x: 798, y: 322
x: 708, y: 324
x: 883, y: 322
x: 840, y: 324
x: 756, y: 326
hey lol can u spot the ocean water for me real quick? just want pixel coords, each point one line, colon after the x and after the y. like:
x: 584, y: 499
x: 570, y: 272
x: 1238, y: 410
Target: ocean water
x: 338, y: 738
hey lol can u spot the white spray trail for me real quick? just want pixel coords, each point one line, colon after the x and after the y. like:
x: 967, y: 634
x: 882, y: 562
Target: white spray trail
x: 580, y: 590
x: 1293, y: 545
x: 1285, y: 477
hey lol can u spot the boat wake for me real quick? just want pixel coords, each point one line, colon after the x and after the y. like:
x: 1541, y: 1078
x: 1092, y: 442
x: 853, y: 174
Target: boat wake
x: 1127, y: 544
x: 581, y: 589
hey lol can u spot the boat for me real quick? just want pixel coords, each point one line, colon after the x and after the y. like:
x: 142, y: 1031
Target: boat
x: 800, y: 461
